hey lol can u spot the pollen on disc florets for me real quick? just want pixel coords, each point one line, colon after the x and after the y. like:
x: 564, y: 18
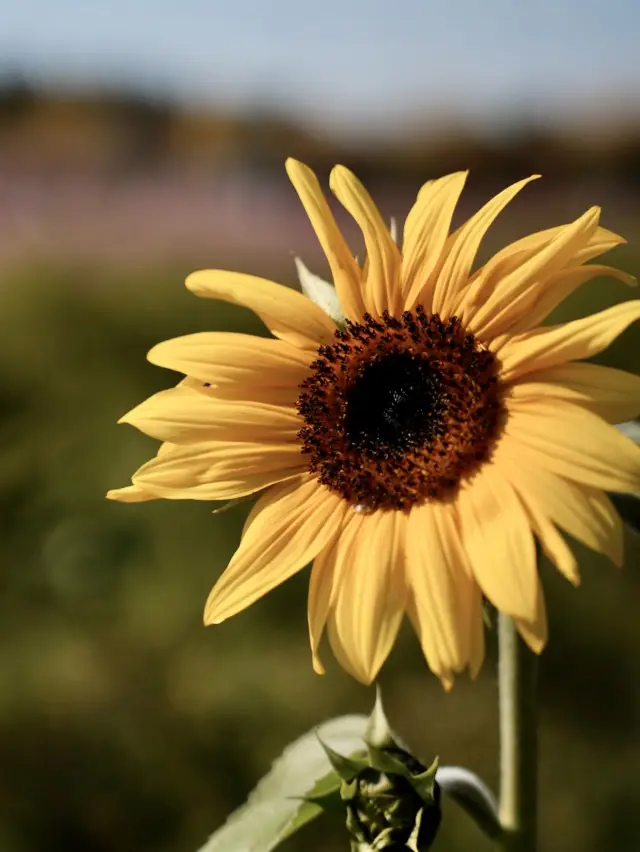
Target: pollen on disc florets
x: 398, y: 411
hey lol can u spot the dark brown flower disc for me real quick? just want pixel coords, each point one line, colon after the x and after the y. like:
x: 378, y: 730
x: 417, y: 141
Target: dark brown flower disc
x: 398, y: 411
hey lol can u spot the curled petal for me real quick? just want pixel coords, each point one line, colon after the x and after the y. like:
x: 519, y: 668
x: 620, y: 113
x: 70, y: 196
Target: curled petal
x: 286, y: 312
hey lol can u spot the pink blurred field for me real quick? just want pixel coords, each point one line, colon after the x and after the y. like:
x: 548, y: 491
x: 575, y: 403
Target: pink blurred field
x: 194, y: 216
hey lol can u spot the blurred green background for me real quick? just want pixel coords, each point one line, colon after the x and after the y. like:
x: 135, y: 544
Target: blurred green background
x: 124, y: 724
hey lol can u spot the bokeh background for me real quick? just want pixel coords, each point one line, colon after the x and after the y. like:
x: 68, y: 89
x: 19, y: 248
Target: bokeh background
x: 142, y: 140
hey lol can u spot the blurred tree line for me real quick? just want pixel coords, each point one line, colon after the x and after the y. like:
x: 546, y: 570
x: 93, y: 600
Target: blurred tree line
x: 125, y: 130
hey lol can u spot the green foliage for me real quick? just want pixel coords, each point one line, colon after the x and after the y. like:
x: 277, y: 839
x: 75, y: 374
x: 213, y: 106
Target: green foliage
x: 281, y: 803
x: 124, y: 724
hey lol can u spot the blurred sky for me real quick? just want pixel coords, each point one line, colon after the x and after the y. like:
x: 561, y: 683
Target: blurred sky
x: 354, y: 62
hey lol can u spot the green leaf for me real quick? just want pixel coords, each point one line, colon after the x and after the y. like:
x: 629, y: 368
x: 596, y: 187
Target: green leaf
x: 278, y: 807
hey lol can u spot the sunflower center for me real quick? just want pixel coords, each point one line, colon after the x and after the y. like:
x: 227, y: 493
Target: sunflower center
x: 399, y: 411
x: 393, y: 405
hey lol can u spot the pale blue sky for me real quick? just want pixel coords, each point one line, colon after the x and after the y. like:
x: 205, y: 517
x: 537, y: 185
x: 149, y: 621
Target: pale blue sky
x: 351, y: 61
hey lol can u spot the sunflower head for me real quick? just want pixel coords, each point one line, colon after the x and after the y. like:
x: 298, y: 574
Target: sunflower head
x: 412, y: 428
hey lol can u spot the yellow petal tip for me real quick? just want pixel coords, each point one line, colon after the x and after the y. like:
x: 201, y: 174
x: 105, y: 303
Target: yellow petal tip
x: 318, y: 668
x: 210, y: 619
x: 338, y: 173
x: 152, y: 354
x: 447, y: 682
x: 190, y: 282
x: 194, y: 281
x: 293, y: 165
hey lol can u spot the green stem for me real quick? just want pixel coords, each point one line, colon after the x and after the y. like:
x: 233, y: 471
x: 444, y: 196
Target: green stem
x: 518, y: 740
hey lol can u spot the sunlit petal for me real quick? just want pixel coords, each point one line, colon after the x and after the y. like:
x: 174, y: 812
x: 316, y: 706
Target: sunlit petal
x: 294, y: 522
x: 344, y: 269
x: 547, y: 347
x: 612, y: 394
x: 286, y: 313
x: 371, y: 595
x: 381, y: 287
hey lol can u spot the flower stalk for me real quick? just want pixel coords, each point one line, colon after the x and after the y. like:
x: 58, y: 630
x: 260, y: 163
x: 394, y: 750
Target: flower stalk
x: 518, y: 675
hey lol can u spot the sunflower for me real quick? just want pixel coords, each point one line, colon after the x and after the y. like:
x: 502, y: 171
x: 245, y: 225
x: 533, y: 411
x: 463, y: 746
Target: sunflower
x: 412, y: 429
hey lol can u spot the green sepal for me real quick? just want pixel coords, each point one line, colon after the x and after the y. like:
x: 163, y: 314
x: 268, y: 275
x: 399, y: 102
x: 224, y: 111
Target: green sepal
x: 347, y: 768
x: 383, y: 840
x: 349, y: 790
x: 384, y: 761
x: 378, y: 731
x: 354, y: 826
x: 330, y: 802
x: 424, y: 784
x: 412, y: 842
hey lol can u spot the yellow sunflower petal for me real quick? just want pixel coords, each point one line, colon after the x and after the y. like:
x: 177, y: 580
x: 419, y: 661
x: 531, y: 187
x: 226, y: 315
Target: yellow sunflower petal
x: 469, y: 595
x: 601, y: 241
x: 221, y: 357
x: 327, y: 568
x: 553, y: 543
x: 513, y: 294
x: 497, y: 535
x: 286, y: 312
x: 237, y: 366
x: 535, y: 632
x: 425, y: 233
x: 515, y: 254
x: 546, y: 347
x: 218, y: 470
x: 183, y: 415
x: 344, y: 269
x: 557, y: 288
x: 440, y: 589
x: 612, y: 394
x: 586, y: 513
x: 476, y: 631
x: 130, y: 494
x: 292, y: 524
x: 556, y: 548
x: 463, y: 246
x: 575, y: 443
x: 370, y: 596
x: 381, y: 288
